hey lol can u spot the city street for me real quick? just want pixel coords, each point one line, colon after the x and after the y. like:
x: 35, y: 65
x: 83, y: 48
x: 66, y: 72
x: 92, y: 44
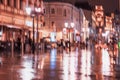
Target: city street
x: 59, y: 64
x: 59, y: 40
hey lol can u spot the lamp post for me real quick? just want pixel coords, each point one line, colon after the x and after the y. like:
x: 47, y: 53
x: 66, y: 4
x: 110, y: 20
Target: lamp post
x: 37, y: 10
x: 69, y: 27
x: 30, y: 12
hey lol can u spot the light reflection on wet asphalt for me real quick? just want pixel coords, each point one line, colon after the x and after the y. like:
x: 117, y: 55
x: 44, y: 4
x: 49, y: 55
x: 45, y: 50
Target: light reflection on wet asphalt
x: 79, y: 64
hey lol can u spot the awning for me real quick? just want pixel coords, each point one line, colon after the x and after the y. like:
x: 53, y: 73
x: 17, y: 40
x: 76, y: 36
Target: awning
x: 10, y: 26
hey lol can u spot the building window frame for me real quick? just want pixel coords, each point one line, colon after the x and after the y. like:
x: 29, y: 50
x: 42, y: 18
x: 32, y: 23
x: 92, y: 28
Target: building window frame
x: 65, y: 12
x: 52, y: 10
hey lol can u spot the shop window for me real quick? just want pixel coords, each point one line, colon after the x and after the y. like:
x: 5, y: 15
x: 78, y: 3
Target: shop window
x: 52, y: 11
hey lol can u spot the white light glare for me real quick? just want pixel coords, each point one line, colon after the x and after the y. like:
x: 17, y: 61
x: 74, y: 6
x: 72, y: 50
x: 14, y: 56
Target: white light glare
x: 72, y: 24
x: 38, y: 9
x: 28, y: 10
x: 66, y: 24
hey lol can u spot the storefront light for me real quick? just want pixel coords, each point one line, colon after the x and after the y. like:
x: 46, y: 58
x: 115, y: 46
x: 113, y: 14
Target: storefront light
x: 28, y: 23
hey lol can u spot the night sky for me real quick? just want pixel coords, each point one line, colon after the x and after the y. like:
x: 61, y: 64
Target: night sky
x: 108, y: 5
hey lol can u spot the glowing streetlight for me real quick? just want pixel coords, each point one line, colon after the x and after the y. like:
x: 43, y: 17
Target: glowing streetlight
x: 37, y: 10
x: 69, y: 27
x: 30, y: 12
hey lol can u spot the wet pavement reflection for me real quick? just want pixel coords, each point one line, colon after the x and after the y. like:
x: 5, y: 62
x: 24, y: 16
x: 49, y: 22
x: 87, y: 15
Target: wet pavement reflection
x: 54, y: 64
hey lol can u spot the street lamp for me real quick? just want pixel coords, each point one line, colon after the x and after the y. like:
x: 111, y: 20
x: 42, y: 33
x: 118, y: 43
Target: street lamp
x: 37, y: 10
x: 30, y: 12
x: 69, y: 27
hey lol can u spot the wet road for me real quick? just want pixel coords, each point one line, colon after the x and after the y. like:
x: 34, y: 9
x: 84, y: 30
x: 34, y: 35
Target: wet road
x: 79, y: 64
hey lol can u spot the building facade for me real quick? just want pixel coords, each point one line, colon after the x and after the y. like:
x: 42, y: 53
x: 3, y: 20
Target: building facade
x: 15, y: 22
x: 59, y: 13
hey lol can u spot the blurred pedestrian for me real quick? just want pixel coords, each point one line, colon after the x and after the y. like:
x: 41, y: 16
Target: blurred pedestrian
x: 77, y: 40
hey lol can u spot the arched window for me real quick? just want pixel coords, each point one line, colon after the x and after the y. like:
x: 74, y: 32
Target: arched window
x: 8, y: 2
x: 65, y: 13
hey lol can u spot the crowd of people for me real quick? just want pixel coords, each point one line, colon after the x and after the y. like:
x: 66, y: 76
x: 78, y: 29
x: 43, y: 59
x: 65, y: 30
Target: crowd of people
x: 110, y: 44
